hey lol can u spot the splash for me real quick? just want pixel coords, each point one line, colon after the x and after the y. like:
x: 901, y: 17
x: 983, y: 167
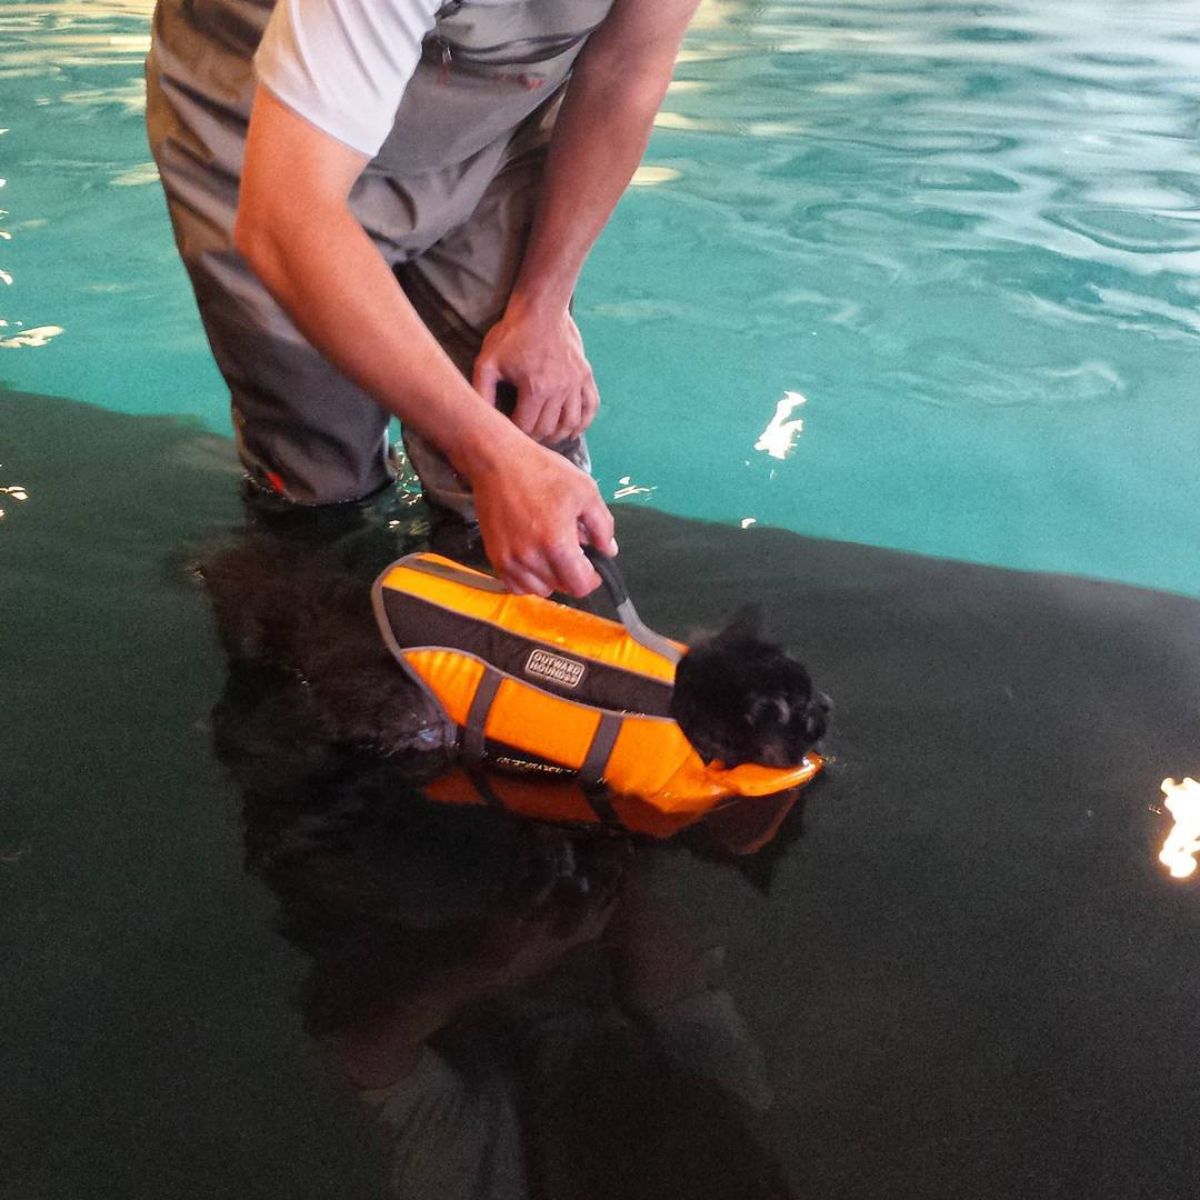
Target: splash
x: 652, y: 176
x: 17, y: 491
x: 779, y: 437
x: 41, y: 336
x: 1182, y: 845
x: 629, y: 488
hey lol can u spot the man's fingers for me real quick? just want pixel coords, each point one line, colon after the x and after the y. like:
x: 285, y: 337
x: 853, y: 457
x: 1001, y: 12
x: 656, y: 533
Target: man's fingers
x: 549, y: 418
x: 526, y: 582
x: 529, y: 408
x: 598, y: 524
x: 569, y: 421
x: 486, y: 376
x: 574, y: 573
x: 589, y: 397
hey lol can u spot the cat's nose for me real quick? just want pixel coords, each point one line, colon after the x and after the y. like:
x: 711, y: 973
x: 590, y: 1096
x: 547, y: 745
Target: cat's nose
x: 818, y: 714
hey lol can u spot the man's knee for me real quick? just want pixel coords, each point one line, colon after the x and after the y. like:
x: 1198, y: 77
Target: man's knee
x: 307, y: 464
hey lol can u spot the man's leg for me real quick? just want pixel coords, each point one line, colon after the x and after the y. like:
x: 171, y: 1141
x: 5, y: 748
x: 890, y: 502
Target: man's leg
x: 304, y: 431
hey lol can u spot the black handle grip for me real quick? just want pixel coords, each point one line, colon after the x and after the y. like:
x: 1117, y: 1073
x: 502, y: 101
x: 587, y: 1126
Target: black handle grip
x: 506, y: 398
x: 610, y: 574
x: 614, y: 583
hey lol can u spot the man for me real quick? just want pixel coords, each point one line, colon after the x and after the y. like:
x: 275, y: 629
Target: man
x: 387, y: 215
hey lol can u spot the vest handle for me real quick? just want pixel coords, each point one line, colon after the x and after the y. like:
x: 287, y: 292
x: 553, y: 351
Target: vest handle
x: 610, y: 575
x: 609, y: 570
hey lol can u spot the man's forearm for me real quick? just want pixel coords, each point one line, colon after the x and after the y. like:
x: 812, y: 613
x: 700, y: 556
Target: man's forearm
x: 346, y: 302
x: 598, y: 142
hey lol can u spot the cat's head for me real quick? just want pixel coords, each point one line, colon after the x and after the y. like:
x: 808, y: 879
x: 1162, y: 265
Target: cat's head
x: 739, y: 698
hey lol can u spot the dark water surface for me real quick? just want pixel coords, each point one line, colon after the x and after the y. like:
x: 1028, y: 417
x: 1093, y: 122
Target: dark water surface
x: 969, y: 977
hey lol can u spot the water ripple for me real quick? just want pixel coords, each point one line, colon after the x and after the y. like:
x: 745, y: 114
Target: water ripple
x: 955, y: 376
x: 901, y: 131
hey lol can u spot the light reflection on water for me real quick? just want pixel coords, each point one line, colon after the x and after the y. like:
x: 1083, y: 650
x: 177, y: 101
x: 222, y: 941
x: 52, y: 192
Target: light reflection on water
x: 1182, y: 843
x: 969, y: 233
x: 16, y: 492
x: 74, y: 100
x: 779, y: 438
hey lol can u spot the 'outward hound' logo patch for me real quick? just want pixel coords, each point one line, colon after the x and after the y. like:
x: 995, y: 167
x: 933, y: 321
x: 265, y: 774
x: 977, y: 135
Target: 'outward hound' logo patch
x: 566, y: 672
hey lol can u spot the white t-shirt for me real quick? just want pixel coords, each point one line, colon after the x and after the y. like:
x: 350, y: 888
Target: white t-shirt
x: 343, y: 65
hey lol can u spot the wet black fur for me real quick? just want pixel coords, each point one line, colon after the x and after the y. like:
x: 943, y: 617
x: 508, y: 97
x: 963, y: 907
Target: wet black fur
x: 739, y: 698
x: 305, y: 618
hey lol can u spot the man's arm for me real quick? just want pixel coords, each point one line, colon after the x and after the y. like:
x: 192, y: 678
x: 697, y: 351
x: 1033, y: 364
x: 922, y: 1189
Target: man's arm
x: 615, y: 91
x: 297, y: 232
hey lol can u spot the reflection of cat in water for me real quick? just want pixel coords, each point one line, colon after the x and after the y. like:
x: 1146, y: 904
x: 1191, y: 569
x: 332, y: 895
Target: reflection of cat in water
x: 738, y: 698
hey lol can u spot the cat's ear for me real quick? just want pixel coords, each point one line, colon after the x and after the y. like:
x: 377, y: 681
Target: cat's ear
x: 745, y: 626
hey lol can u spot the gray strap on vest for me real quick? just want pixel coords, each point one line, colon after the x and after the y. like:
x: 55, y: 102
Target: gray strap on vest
x: 479, y: 781
x: 603, y: 741
x: 614, y: 582
x: 455, y: 574
x: 481, y: 705
x: 600, y: 803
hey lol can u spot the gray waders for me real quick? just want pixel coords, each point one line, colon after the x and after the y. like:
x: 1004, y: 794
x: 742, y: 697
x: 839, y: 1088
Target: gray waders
x: 448, y: 201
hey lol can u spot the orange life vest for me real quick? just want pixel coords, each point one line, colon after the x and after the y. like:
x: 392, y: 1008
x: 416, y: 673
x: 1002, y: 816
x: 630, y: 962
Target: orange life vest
x: 539, y: 687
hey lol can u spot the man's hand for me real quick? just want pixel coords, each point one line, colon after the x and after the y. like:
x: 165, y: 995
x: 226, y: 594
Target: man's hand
x: 541, y: 354
x: 535, y: 509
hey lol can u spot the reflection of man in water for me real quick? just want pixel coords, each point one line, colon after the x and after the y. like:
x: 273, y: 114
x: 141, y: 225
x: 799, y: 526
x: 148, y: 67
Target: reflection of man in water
x: 469, y: 152
x: 546, y: 1062
x: 524, y: 1010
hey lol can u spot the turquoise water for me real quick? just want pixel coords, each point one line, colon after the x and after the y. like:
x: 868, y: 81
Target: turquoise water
x: 967, y: 234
